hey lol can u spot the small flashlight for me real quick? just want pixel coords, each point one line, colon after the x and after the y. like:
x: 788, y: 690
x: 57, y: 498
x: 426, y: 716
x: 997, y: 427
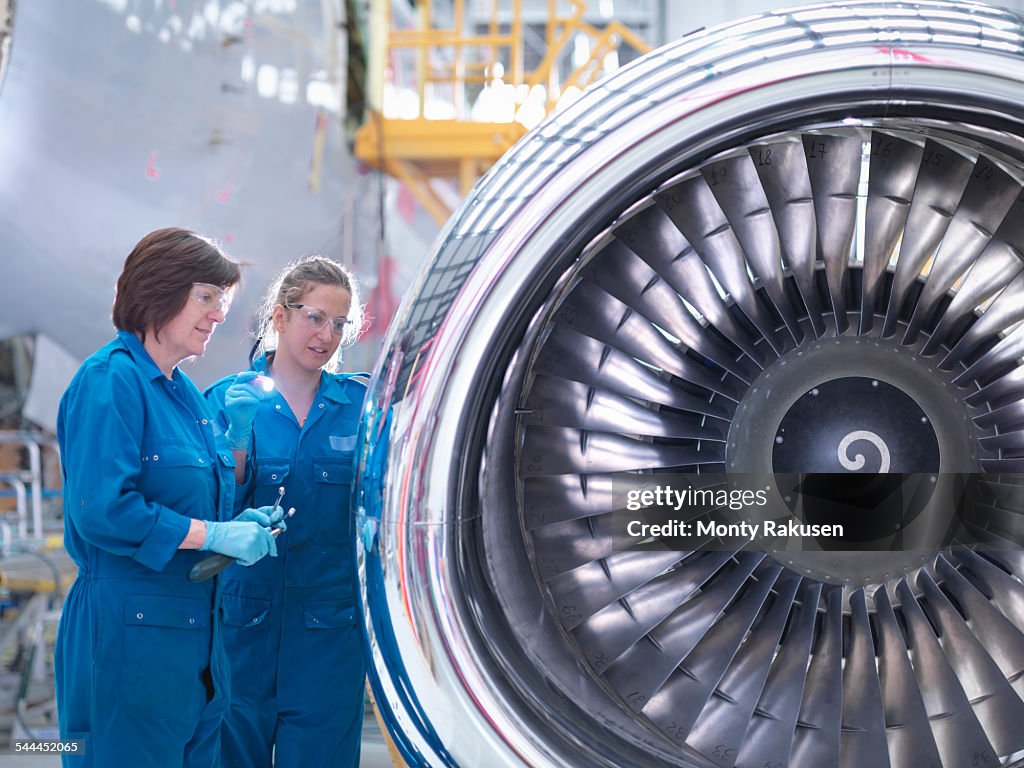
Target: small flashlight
x: 264, y: 382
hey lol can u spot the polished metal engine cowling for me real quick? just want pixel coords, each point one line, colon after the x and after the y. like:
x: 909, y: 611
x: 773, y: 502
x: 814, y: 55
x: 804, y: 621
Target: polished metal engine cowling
x: 706, y: 264
x: 6, y: 27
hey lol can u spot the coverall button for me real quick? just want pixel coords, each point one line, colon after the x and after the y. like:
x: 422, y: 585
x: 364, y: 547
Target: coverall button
x: 191, y: 621
x: 273, y: 477
x: 206, y: 421
x: 321, y: 405
x: 278, y: 406
x: 325, y: 474
x: 155, y: 457
x: 139, y: 615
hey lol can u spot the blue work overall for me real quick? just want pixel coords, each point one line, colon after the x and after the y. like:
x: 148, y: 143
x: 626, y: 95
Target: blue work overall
x: 291, y: 625
x: 139, y: 663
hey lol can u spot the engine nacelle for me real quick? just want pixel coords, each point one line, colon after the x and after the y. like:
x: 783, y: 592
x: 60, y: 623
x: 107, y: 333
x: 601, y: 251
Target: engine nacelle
x: 786, y: 243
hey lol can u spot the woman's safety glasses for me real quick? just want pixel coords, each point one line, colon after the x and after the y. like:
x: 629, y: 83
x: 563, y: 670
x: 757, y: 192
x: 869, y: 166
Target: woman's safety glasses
x: 211, y: 297
x: 315, y: 319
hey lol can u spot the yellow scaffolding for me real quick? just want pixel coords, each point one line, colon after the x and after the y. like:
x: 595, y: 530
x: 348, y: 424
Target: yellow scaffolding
x: 42, y: 567
x: 416, y: 148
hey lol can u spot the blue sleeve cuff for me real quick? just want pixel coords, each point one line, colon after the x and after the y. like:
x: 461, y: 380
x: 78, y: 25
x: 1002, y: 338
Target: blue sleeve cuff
x: 163, y: 540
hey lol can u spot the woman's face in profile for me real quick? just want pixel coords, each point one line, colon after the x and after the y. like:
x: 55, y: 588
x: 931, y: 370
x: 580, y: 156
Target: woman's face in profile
x: 188, y: 332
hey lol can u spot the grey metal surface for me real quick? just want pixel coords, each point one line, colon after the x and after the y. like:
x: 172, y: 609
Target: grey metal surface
x: 119, y: 118
x: 646, y: 279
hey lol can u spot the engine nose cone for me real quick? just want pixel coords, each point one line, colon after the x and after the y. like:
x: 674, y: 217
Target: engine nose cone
x: 855, y: 424
x: 864, y: 452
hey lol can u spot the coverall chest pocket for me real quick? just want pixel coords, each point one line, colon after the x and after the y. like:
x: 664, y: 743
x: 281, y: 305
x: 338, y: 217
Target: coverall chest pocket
x: 333, y: 470
x: 165, y: 454
x: 333, y: 478
x: 166, y: 648
x: 270, y: 475
x: 175, y: 474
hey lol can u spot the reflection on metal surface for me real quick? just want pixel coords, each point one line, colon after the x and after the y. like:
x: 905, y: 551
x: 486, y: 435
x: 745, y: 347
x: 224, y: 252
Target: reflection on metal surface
x: 6, y: 28
x: 663, y: 278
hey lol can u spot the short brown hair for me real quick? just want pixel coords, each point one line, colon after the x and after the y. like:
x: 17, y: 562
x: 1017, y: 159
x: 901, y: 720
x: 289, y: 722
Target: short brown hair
x: 158, y: 275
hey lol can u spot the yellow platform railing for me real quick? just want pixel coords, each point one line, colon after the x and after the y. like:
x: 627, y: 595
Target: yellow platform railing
x: 437, y: 126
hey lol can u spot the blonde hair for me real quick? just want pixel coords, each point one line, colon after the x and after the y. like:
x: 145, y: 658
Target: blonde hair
x: 294, y: 282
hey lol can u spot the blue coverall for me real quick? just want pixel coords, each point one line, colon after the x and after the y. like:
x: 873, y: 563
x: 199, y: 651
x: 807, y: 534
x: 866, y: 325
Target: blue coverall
x: 291, y: 625
x: 140, y: 668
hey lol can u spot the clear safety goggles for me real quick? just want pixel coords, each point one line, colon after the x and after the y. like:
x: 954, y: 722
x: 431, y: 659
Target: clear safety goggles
x: 211, y: 297
x: 316, y: 319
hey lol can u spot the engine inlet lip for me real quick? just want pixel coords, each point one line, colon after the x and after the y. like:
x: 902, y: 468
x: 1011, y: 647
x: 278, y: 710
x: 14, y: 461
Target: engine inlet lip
x: 437, y: 608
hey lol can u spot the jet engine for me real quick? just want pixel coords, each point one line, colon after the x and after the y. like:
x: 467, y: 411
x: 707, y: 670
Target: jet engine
x: 789, y: 245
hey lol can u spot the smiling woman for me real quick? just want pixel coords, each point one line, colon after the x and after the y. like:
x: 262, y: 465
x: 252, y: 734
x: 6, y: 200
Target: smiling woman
x: 294, y: 645
x: 139, y: 665
x: 189, y: 331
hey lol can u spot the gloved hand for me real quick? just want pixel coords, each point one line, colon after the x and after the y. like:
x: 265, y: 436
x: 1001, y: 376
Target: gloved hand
x: 241, y: 400
x: 366, y: 528
x: 246, y: 540
x: 268, y: 517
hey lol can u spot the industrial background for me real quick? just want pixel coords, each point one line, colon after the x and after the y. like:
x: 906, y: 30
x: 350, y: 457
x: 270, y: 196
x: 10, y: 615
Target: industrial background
x: 356, y: 129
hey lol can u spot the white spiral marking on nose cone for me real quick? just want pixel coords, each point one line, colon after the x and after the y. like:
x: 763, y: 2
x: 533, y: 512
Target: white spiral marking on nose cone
x: 857, y: 462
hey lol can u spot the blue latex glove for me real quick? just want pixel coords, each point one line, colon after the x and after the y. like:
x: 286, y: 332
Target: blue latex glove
x: 268, y: 517
x: 246, y: 540
x: 241, y: 400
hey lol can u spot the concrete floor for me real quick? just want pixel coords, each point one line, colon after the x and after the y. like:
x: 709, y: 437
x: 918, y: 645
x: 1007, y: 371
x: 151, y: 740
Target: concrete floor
x: 374, y: 753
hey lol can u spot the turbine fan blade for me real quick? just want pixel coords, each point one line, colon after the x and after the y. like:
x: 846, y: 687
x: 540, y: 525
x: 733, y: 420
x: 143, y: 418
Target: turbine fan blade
x: 940, y: 185
x: 862, y: 742
x: 782, y: 169
x: 892, y: 177
x: 833, y: 166
x: 693, y: 208
x: 737, y: 189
